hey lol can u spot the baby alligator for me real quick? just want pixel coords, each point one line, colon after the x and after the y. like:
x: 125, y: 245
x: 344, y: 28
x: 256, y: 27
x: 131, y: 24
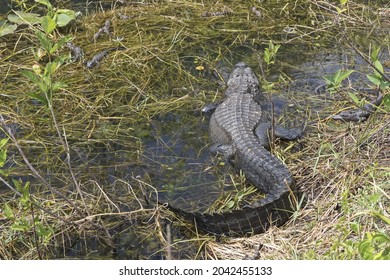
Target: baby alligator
x: 360, y: 114
x: 99, y: 57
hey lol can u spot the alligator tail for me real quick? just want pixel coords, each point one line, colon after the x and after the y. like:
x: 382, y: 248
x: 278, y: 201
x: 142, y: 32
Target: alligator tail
x: 247, y: 221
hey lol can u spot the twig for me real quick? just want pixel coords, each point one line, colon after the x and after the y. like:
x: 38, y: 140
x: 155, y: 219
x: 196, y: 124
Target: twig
x: 272, y: 134
x: 35, y: 232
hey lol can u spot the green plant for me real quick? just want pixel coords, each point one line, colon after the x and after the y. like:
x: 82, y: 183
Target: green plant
x: 60, y: 17
x: 375, y: 246
x: 53, y: 19
x: 3, y: 154
x: 270, y: 53
x: 233, y: 201
x: 343, y: 3
x: 50, y: 45
x: 333, y: 82
x: 22, y: 216
x: 43, y: 77
x: 269, y: 57
x: 44, y: 81
x: 377, y: 77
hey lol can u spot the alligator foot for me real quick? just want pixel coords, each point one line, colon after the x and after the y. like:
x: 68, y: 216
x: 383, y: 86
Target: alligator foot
x: 210, y: 108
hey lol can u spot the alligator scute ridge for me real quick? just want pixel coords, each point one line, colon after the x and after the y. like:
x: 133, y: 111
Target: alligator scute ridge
x: 239, y: 131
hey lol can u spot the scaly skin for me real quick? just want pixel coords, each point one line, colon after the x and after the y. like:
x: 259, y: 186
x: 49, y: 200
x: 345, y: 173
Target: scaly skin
x: 240, y: 134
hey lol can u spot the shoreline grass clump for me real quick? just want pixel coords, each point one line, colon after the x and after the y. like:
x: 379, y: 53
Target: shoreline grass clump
x: 94, y: 200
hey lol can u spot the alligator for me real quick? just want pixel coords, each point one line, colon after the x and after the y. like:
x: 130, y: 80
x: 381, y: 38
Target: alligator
x: 104, y: 29
x: 360, y: 114
x: 239, y: 131
x: 77, y: 52
x: 99, y: 57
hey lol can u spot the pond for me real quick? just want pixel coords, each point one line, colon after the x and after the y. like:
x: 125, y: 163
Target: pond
x: 134, y: 124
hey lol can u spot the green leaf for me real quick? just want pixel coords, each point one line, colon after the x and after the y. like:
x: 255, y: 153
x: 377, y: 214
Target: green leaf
x: 59, y: 85
x: 17, y: 184
x: 60, y: 60
x: 64, y: 39
x: 59, y: 44
x: 47, y: 82
x: 20, y: 17
x: 382, y: 217
x: 354, y: 98
x: 343, y: 2
x: 8, y: 212
x: 48, y: 24
x: 344, y: 74
x: 378, y: 66
x: 374, y: 54
x: 43, y: 86
x: 336, y: 76
x: 375, y: 246
x: 3, y: 142
x: 39, y: 96
x: 3, y: 173
x: 54, y: 48
x: 340, y: 11
x: 328, y: 79
x: 267, y: 56
x: 44, y: 40
x: 3, y: 152
x: 50, y: 69
x: 3, y: 157
x: 374, y: 79
x: 20, y: 226
x: 380, y: 238
x: 25, y: 199
x: 44, y: 231
x: 7, y: 29
x: 384, y: 85
x: 30, y: 75
x: 46, y: 3
x: 229, y: 205
x: 66, y: 17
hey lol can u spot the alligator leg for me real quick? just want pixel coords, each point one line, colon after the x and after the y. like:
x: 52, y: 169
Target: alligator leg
x: 289, y: 134
x: 210, y: 108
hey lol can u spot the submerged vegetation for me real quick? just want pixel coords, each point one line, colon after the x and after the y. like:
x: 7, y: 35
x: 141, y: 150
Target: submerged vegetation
x: 85, y: 153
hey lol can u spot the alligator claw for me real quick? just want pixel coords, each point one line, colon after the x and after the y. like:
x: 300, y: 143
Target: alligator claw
x: 210, y: 108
